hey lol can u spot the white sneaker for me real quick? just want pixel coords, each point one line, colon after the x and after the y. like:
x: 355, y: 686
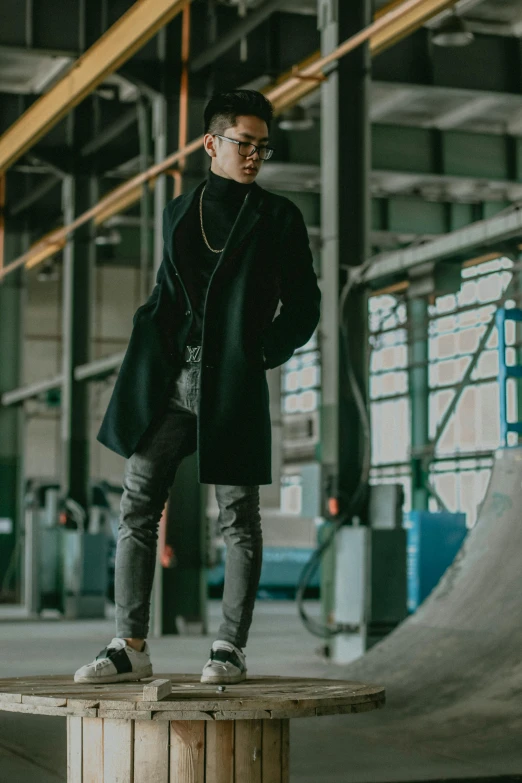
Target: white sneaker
x: 227, y: 664
x: 117, y: 663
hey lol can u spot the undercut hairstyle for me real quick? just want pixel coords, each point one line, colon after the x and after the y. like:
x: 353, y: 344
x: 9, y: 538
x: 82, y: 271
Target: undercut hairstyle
x: 223, y: 109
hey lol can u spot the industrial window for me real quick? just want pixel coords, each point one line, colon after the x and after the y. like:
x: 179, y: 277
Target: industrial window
x: 455, y: 325
x: 301, y: 379
x: 388, y: 392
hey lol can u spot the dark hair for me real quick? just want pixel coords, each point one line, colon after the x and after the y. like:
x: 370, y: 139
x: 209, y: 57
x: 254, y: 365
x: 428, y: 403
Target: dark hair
x: 224, y: 108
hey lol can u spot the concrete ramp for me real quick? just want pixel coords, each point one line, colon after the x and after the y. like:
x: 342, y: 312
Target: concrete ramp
x: 453, y: 671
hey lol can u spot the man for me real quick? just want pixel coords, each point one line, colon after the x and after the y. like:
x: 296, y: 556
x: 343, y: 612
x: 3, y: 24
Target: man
x: 193, y: 378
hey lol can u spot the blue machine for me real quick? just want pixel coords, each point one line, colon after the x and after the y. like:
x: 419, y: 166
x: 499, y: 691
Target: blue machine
x: 506, y: 371
x: 433, y: 541
x: 282, y: 567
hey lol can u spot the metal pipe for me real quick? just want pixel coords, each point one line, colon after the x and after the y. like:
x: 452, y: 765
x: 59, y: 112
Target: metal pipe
x: 482, y: 234
x: 98, y: 369
x: 29, y: 24
x: 227, y: 41
x: 36, y: 193
x: 110, y: 132
x: 17, y: 396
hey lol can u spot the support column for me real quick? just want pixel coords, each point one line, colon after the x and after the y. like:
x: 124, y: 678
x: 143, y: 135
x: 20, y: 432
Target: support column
x: 78, y: 265
x: 144, y: 128
x: 11, y: 422
x: 345, y: 220
x: 345, y: 226
x: 419, y: 401
x: 179, y: 597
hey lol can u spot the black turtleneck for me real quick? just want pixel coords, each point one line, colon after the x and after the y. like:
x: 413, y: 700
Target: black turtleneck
x: 222, y: 200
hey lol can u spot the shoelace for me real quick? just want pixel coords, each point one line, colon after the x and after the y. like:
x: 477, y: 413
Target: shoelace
x: 104, y: 661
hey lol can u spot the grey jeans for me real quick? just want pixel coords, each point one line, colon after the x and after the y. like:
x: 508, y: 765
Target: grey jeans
x: 149, y: 474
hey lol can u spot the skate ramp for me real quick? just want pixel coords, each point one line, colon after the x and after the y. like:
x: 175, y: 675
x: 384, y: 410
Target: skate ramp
x: 453, y: 671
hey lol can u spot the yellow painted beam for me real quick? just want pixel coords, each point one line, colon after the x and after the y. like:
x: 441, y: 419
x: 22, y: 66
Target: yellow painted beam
x: 45, y: 248
x: 407, y: 24
x: 140, y: 23
x: 399, y: 21
x: 122, y: 203
x: 300, y: 81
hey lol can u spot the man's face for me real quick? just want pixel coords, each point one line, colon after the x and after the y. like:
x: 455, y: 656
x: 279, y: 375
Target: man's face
x: 226, y: 160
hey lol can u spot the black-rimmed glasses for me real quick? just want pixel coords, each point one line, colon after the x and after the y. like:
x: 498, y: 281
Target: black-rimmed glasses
x: 246, y: 149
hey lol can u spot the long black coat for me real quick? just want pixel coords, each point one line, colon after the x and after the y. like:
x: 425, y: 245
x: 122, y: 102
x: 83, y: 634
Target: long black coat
x: 266, y: 259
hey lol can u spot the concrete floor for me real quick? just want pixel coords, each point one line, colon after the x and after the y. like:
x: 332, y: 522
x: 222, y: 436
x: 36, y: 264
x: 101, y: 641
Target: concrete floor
x: 330, y: 749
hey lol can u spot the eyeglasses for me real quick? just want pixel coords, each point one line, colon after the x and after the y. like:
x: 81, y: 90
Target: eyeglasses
x: 246, y: 149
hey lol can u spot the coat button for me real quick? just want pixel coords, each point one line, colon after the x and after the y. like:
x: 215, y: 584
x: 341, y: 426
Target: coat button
x: 187, y: 312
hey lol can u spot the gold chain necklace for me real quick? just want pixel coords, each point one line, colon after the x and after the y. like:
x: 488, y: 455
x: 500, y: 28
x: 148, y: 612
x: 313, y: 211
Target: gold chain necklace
x: 201, y: 222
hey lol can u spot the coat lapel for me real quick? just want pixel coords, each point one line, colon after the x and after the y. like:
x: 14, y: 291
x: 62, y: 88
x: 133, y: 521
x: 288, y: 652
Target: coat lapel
x: 247, y: 218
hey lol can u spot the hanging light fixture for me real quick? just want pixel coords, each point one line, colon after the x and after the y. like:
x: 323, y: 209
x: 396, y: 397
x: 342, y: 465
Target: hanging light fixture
x: 295, y: 119
x: 452, y: 32
x: 49, y: 272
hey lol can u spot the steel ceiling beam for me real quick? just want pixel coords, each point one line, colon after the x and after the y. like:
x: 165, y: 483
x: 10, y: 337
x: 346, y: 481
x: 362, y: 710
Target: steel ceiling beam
x: 140, y: 23
x: 227, y: 41
x: 477, y: 237
x: 287, y: 91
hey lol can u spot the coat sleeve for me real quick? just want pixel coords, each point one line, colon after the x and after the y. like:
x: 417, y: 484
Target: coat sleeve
x: 153, y: 298
x: 300, y: 295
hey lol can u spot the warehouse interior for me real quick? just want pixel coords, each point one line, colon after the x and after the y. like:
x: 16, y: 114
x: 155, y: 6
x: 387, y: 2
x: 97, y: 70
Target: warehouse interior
x: 390, y: 529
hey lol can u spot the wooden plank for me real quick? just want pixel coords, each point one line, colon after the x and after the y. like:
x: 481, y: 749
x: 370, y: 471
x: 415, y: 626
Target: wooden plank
x: 151, y: 753
x: 157, y: 690
x: 187, y: 751
x: 293, y: 712
x: 31, y: 709
x: 14, y: 698
x: 118, y: 741
x: 242, y: 715
x: 219, y: 762
x: 92, y: 743
x: 117, y: 704
x: 347, y: 709
x: 48, y: 701
x: 248, y: 751
x: 82, y: 704
x: 272, y: 751
x: 125, y: 715
x: 258, y: 698
x: 74, y: 750
x: 285, y: 751
x: 181, y: 715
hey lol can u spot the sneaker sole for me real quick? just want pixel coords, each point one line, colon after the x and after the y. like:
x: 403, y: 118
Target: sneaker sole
x: 226, y: 679
x: 108, y: 678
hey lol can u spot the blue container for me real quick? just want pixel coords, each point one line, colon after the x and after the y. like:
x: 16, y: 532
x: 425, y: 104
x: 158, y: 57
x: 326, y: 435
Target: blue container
x: 282, y: 567
x: 433, y: 541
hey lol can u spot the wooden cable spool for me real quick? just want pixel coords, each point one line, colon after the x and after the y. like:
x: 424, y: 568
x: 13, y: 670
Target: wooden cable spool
x: 156, y: 731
